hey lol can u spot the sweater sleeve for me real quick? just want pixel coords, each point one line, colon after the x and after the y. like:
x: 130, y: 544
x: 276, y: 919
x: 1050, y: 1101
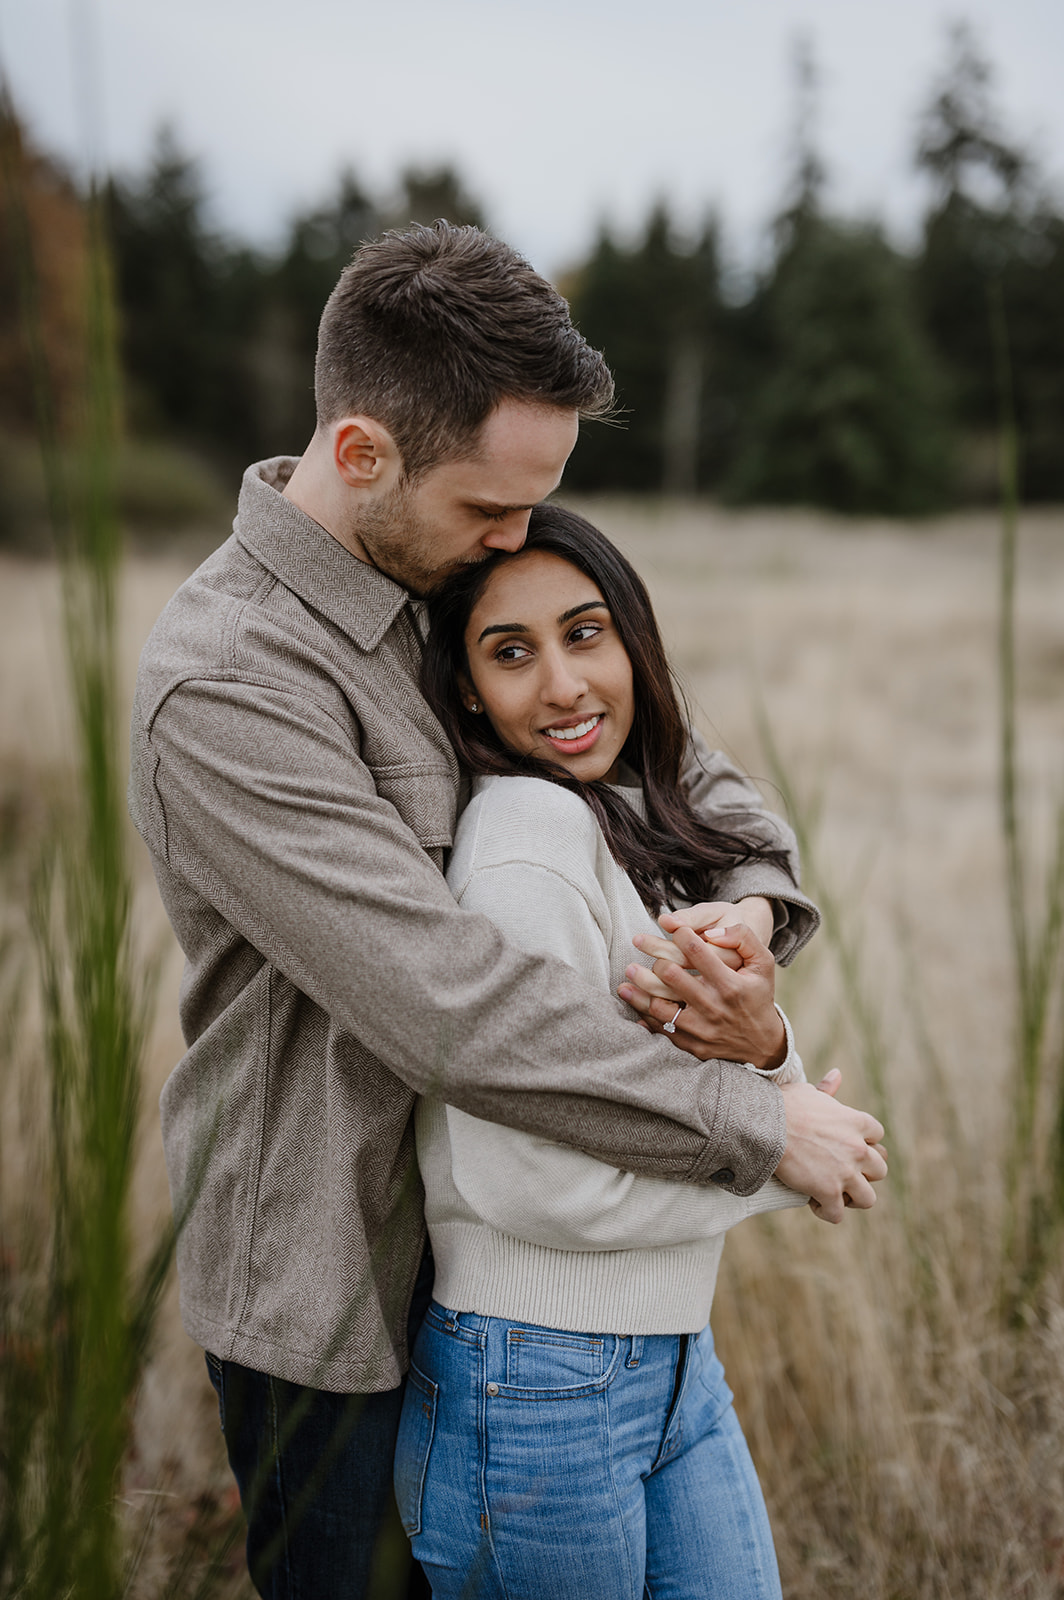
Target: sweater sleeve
x: 550, y: 1194
x: 724, y: 797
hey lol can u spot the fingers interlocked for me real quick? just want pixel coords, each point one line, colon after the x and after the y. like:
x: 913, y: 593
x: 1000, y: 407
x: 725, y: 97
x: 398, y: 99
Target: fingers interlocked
x: 727, y: 1013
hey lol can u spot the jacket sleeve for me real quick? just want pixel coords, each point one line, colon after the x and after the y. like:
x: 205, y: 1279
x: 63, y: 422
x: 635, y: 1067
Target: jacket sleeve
x: 547, y: 1193
x: 723, y: 796
x: 265, y: 810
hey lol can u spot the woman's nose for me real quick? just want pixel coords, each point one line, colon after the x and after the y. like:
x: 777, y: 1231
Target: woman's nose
x: 563, y: 685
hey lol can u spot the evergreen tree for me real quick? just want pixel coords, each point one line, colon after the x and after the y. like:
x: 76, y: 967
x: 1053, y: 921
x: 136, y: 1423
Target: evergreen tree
x: 843, y: 405
x: 652, y: 310
x: 848, y: 413
x: 971, y: 228
x: 1034, y: 320
x: 183, y: 303
x: 991, y: 237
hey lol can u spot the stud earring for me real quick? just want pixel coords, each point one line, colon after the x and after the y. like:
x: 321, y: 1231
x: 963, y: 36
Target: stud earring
x: 474, y: 708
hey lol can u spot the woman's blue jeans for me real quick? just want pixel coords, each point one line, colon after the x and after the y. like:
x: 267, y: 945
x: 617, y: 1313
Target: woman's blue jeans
x: 535, y: 1463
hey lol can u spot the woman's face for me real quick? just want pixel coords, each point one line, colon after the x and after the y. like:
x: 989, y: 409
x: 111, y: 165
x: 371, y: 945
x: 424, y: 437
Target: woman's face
x: 548, y: 668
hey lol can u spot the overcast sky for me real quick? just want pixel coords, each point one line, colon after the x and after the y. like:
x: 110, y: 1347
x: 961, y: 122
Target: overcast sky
x: 558, y: 113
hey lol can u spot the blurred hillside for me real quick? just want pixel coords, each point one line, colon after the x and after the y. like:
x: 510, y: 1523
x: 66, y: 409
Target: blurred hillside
x: 846, y: 374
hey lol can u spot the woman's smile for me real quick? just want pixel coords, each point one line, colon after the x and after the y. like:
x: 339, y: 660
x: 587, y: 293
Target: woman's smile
x: 575, y: 740
x: 548, y: 667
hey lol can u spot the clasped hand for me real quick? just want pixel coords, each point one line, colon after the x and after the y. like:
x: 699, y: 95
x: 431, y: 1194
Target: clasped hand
x: 726, y: 984
x: 724, y: 977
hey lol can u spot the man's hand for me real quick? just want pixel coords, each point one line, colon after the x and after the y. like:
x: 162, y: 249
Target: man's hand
x: 833, y: 1153
x: 727, y: 1014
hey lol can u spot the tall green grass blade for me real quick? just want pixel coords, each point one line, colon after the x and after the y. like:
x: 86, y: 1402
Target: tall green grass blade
x: 855, y: 990
x: 1034, y: 1192
x: 864, y: 1016
x: 78, y: 1311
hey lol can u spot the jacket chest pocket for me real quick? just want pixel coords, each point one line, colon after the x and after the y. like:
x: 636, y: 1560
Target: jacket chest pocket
x: 425, y: 797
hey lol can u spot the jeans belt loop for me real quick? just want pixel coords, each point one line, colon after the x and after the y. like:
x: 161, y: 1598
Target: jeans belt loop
x: 636, y: 1350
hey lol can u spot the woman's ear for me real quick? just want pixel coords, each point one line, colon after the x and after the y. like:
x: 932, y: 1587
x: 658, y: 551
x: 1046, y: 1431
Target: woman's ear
x: 468, y: 693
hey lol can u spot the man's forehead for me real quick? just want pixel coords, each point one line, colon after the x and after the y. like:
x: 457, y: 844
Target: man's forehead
x: 514, y: 422
x: 521, y: 451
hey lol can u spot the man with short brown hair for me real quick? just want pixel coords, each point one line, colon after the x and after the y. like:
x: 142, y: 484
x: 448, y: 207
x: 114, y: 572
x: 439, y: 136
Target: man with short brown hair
x: 428, y: 330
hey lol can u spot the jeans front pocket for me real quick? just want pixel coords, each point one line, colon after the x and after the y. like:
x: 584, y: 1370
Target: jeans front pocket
x: 416, y: 1427
x: 547, y: 1358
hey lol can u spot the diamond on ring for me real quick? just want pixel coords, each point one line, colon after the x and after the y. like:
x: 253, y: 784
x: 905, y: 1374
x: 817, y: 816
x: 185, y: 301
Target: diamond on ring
x: 670, y: 1027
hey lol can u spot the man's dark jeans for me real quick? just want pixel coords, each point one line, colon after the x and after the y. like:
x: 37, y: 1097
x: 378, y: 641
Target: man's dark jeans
x: 315, y: 1476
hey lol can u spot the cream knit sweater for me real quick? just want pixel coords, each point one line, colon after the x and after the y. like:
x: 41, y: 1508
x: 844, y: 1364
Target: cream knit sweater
x: 539, y: 1232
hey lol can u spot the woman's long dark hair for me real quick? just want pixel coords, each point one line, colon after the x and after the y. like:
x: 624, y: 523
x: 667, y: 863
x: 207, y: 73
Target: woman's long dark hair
x: 671, y: 856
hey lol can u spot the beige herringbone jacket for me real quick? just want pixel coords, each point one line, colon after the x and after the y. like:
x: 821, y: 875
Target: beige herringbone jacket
x: 297, y: 798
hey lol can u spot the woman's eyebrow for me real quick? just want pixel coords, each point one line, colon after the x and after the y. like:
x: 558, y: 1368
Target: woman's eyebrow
x: 504, y: 627
x: 588, y: 605
x: 522, y: 627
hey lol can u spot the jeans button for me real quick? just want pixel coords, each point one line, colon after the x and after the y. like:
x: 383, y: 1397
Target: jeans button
x: 493, y: 1388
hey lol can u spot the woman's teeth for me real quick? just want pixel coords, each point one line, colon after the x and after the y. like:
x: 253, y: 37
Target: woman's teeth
x: 579, y: 732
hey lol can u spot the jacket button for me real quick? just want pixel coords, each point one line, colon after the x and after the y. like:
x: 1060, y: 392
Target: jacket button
x: 493, y: 1388
x: 725, y: 1175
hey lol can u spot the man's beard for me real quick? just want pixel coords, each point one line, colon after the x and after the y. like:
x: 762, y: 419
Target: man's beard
x: 403, y: 545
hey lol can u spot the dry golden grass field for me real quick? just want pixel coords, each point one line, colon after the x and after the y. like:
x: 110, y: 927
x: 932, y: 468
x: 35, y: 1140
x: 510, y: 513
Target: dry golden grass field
x: 910, y: 1435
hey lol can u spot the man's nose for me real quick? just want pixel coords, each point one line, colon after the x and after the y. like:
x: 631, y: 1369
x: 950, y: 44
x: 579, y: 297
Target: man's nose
x: 510, y: 533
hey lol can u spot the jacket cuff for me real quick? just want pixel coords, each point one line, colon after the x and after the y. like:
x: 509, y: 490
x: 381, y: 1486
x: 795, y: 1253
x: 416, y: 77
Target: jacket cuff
x: 748, y: 1134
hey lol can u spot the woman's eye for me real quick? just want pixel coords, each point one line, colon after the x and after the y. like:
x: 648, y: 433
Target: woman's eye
x: 511, y: 652
x: 585, y: 630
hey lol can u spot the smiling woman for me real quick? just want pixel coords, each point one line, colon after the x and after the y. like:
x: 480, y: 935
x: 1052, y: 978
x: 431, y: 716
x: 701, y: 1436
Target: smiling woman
x: 556, y: 635
x: 557, y: 682
x: 567, y: 1428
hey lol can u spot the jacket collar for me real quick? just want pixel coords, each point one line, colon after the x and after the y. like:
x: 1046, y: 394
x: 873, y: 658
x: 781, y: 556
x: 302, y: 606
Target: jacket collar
x: 309, y: 561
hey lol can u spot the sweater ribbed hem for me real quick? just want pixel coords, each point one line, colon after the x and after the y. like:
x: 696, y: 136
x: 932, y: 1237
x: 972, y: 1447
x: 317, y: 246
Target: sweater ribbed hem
x: 585, y: 1291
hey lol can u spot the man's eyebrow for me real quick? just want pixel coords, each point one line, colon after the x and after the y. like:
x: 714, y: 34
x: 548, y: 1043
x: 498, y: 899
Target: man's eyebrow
x: 496, y: 510
x: 522, y: 627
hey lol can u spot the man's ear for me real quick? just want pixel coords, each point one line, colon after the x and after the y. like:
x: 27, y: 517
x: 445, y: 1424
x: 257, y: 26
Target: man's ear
x: 364, y: 453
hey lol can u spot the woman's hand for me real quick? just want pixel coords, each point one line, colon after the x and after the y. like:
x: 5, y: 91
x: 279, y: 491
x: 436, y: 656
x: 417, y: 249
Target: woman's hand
x: 727, y: 1013
x: 755, y: 911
